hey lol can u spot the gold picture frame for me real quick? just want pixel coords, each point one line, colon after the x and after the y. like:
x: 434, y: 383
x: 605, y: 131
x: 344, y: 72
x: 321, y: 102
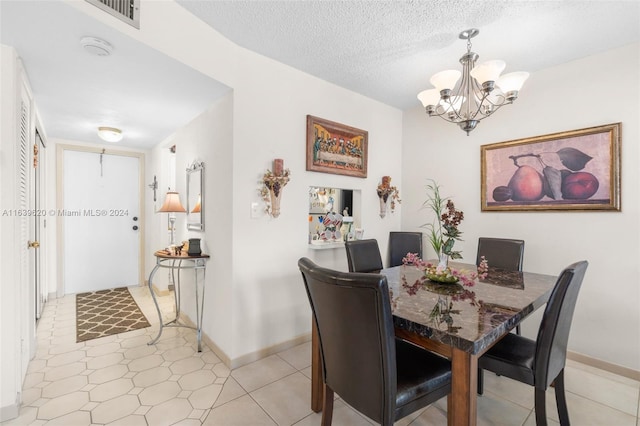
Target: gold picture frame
x: 336, y: 148
x: 572, y: 170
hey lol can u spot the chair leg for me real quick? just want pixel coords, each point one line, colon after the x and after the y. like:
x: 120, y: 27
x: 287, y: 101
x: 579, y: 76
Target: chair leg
x: 561, y: 400
x: 480, y: 381
x: 518, y: 329
x: 327, y: 406
x: 541, y: 409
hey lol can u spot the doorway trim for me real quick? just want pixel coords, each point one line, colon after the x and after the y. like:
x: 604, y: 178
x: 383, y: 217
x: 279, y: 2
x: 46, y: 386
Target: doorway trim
x: 60, y: 149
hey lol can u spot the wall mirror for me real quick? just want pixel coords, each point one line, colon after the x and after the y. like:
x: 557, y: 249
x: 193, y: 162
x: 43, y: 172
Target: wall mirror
x: 195, y: 196
x: 333, y: 215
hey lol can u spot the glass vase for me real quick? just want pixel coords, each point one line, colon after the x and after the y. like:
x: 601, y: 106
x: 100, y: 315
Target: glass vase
x: 383, y: 207
x: 443, y: 261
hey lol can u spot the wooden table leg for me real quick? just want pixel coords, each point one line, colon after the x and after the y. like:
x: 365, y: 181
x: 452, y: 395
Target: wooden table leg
x: 317, y: 387
x: 462, y: 408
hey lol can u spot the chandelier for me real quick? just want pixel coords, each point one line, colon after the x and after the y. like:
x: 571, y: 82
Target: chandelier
x: 480, y: 93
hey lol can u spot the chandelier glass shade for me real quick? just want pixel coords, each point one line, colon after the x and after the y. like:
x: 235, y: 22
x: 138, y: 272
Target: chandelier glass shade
x: 469, y: 96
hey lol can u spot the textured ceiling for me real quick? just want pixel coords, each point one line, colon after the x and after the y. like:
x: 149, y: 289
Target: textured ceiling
x: 388, y: 50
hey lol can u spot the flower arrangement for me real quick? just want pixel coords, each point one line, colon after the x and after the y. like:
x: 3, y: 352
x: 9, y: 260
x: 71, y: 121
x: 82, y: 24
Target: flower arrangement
x: 385, y: 190
x: 270, y: 190
x: 447, y: 274
x: 444, y: 232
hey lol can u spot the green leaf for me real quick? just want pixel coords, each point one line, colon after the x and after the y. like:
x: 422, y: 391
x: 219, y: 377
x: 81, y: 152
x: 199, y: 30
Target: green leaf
x: 455, y: 255
x: 573, y: 159
x: 553, y: 178
x: 448, y: 245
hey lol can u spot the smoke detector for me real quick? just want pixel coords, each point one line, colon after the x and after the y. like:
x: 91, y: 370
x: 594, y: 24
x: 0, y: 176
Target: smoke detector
x: 96, y: 46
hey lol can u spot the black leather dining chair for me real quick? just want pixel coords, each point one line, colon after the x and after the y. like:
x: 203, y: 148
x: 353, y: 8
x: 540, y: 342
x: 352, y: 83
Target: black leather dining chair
x: 382, y: 377
x: 541, y: 362
x: 503, y: 253
x: 401, y: 243
x: 363, y: 256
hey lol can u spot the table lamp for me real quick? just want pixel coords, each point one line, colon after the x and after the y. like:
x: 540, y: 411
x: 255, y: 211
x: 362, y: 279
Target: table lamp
x: 171, y: 205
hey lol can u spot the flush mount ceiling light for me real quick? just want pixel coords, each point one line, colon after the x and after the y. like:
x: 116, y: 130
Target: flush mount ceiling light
x: 480, y: 93
x: 96, y: 46
x: 110, y: 134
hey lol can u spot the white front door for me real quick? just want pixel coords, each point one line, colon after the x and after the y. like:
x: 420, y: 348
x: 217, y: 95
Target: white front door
x: 101, y: 221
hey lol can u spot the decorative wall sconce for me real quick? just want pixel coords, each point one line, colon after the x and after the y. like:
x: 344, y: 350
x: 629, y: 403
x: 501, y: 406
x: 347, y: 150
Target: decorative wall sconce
x: 386, y: 191
x: 272, y: 184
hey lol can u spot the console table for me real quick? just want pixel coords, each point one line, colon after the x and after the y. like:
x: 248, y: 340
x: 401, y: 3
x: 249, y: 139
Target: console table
x: 165, y: 259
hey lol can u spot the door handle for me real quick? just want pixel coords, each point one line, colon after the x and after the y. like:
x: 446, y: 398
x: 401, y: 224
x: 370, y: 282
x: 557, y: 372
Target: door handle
x: 33, y: 244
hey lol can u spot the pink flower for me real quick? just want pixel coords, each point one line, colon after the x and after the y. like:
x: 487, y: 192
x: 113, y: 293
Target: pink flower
x: 483, y: 268
x: 412, y: 259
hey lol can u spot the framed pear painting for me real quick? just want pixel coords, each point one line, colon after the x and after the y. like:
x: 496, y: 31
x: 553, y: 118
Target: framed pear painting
x: 572, y: 170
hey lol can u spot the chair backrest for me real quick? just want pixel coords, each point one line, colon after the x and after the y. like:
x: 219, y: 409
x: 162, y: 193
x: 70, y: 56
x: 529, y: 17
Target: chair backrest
x: 363, y: 256
x: 401, y: 243
x: 553, y: 335
x: 355, y: 329
x: 501, y: 253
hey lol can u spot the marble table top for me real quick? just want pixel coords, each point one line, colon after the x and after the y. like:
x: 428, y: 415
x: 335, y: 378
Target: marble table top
x: 467, y: 318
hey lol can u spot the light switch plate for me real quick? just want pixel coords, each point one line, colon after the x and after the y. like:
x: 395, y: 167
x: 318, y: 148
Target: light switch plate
x: 255, y: 210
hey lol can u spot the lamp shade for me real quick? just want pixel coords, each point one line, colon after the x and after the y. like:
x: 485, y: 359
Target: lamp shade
x: 512, y: 81
x: 429, y: 97
x: 198, y: 206
x: 172, y: 204
x: 445, y: 79
x: 488, y: 71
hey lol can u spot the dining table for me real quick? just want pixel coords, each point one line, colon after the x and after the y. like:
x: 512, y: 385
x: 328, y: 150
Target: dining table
x: 459, y: 322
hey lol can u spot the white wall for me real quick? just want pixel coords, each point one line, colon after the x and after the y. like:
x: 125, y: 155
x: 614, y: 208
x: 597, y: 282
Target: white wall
x: 270, y: 304
x: 208, y: 138
x: 161, y: 163
x: 10, y: 297
x: 596, y: 90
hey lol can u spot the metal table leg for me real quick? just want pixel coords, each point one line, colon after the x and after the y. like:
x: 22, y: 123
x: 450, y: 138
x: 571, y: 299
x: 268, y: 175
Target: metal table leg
x: 155, y: 301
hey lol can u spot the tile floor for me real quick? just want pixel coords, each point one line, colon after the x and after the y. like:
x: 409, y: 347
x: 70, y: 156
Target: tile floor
x: 120, y: 380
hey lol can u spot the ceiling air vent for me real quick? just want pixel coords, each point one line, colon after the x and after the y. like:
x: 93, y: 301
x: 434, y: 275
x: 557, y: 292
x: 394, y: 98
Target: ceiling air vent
x: 125, y: 10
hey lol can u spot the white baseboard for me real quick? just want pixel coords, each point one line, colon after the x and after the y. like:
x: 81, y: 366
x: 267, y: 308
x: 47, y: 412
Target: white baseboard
x: 604, y: 365
x: 157, y: 291
x: 207, y: 341
x: 248, y: 358
x: 265, y: 352
x: 9, y: 412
